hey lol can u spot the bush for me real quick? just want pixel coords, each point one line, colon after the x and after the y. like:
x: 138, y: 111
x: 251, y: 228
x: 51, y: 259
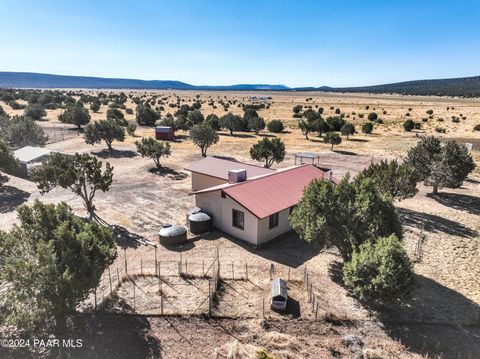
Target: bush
x: 35, y: 111
x: 275, y: 126
x: 145, y: 115
x: 417, y: 125
x: 440, y: 130
x: 408, y: 125
x: 332, y: 138
x: 129, y: 111
x: 372, y: 116
x: 476, y: 127
x: 131, y: 128
x: 367, y: 128
x: 429, y: 112
x: 380, y: 272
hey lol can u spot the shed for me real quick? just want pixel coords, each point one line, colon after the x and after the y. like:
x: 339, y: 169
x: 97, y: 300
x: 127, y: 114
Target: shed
x: 30, y: 156
x: 166, y: 133
x: 279, y: 294
x: 307, y: 157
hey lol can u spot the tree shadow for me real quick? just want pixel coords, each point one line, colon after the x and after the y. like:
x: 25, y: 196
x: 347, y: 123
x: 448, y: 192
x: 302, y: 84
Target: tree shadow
x: 169, y: 173
x: 266, y: 135
x: 472, y: 180
x: 115, y: 154
x: 436, y: 320
x: 433, y: 223
x: 357, y: 140
x: 227, y: 158
x: 108, y: 336
x: 457, y: 201
x: 347, y: 153
x: 239, y: 135
x: 287, y: 249
x: 11, y: 197
x: 126, y: 238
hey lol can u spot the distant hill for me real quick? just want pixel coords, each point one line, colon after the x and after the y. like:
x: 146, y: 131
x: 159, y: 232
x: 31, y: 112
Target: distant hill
x: 462, y: 86
x: 36, y: 80
x: 465, y: 86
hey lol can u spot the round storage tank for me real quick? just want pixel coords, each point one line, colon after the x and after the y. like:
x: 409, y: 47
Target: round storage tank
x: 172, y: 235
x: 200, y: 223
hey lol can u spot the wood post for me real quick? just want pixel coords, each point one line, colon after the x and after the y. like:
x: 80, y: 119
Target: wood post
x: 246, y: 270
x: 263, y: 307
x: 233, y: 272
x: 118, y: 276
x: 203, y: 268
x: 95, y: 297
x: 159, y: 268
x: 209, y: 298
x: 288, y: 274
x: 156, y: 261
x: 125, y: 254
x: 316, y: 311
x: 141, y: 267
x: 110, y: 278
x: 133, y: 295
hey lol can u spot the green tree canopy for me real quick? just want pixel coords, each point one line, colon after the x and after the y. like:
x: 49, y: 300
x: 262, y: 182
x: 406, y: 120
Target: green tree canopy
x: 332, y: 138
x: 392, y: 179
x: 268, y: 151
x: 75, y: 114
x: 275, y: 126
x: 106, y: 130
x: 367, y: 127
x: 213, y: 121
x: 380, y: 271
x: 51, y: 261
x: 195, y: 118
x: 145, y: 115
x: 149, y: 147
x: 35, y: 111
x: 231, y: 122
x: 95, y: 106
x: 347, y: 129
x: 20, y: 131
x: 408, y: 125
x: 256, y: 124
x: 344, y: 215
x: 440, y: 166
x: 8, y: 163
x: 203, y: 136
x: 81, y: 173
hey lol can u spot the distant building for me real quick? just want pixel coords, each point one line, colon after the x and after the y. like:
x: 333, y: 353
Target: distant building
x: 250, y: 202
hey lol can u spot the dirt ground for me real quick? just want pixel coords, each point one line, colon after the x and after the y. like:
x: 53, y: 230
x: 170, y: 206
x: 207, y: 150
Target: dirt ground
x: 140, y: 201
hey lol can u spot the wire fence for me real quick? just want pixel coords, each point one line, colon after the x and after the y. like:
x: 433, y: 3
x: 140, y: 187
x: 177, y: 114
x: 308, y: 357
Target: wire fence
x: 242, y: 290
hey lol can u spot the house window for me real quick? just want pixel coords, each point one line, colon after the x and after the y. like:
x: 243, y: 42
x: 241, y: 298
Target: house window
x: 238, y: 219
x: 273, y: 221
x: 224, y: 195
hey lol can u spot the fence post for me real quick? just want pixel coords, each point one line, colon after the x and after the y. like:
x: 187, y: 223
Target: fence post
x: 110, y: 278
x: 288, y: 274
x: 125, y: 255
x: 159, y: 268
x: 304, y: 273
x: 209, y: 298
x: 118, y: 276
x: 95, y: 297
x: 316, y: 310
x: 156, y: 260
x: 141, y: 266
x: 186, y: 267
x: 161, y: 298
x: 233, y: 272
x: 263, y: 307
x: 203, y: 268
x: 133, y: 295
x: 246, y: 270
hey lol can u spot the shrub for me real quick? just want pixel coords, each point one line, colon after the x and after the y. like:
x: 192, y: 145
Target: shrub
x: 129, y: 111
x: 269, y: 151
x: 380, y: 271
x: 429, y: 112
x: 440, y: 130
x: 417, y: 125
x: 347, y: 129
x: 372, y: 116
x: 367, y: 128
x: 408, y: 125
x: 149, y: 147
x: 145, y: 115
x: 476, y: 127
x: 35, y: 111
x: 131, y: 128
x: 275, y: 126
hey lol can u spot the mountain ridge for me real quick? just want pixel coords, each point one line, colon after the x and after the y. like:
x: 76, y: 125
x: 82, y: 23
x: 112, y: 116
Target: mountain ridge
x: 460, y: 86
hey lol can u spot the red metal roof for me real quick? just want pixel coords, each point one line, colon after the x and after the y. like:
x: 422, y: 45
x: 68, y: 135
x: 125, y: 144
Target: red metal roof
x: 273, y: 193
x: 217, y: 167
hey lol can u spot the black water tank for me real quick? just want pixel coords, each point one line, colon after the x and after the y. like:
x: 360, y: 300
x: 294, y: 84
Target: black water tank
x: 200, y: 223
x: 172, y: 235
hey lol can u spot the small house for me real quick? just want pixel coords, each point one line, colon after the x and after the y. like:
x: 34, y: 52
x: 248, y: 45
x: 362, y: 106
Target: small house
x: 165, y: 133
x: 248, y: 202
x: 279, y: 294
x: 30, y: 157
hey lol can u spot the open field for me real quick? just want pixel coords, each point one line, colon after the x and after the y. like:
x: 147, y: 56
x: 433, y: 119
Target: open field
x: 443, y: 318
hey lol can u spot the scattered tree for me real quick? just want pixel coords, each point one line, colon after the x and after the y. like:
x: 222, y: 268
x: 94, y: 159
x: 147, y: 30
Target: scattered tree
x: 8, y: 163
x: 81, y: 173
x: 131, y: 128
x: 95, y: 106
x: 75, y: 114
x: 372, y: 116
x: 35, y: 111
x: 344, y: 215
x: 347, y: 129
x: 440, y: 166
x: 269, y: 151
x: 367, y: 128
x: 149, y: 147
x: 21, y: 131
x: 231, y: 122
x: 106, y: 130
x: 408, y: 125
x: 203, y: 136
x: 332, y: 138
x: 256, y: 124
x: 51, y: 261
x: 145, y: 115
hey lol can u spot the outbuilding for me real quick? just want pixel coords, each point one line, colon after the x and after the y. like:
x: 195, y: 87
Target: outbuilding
x: 29, y: 157
x: 165, y: 133
x: 279, y: 294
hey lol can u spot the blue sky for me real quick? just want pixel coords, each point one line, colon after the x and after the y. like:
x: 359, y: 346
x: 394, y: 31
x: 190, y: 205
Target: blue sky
x: 297, y: 43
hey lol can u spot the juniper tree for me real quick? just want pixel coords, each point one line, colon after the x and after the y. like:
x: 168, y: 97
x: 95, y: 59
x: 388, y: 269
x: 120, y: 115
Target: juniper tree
x: 106, y: 130
x: 149, y: 147
x: 268, y: 151
x: 203, y: 136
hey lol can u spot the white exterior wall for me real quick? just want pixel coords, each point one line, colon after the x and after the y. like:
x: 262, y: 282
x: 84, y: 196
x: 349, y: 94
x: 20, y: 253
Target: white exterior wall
x: 255, y: 230
x: 265, y: 234
x: 221, y: 210
x: 201, y: 181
